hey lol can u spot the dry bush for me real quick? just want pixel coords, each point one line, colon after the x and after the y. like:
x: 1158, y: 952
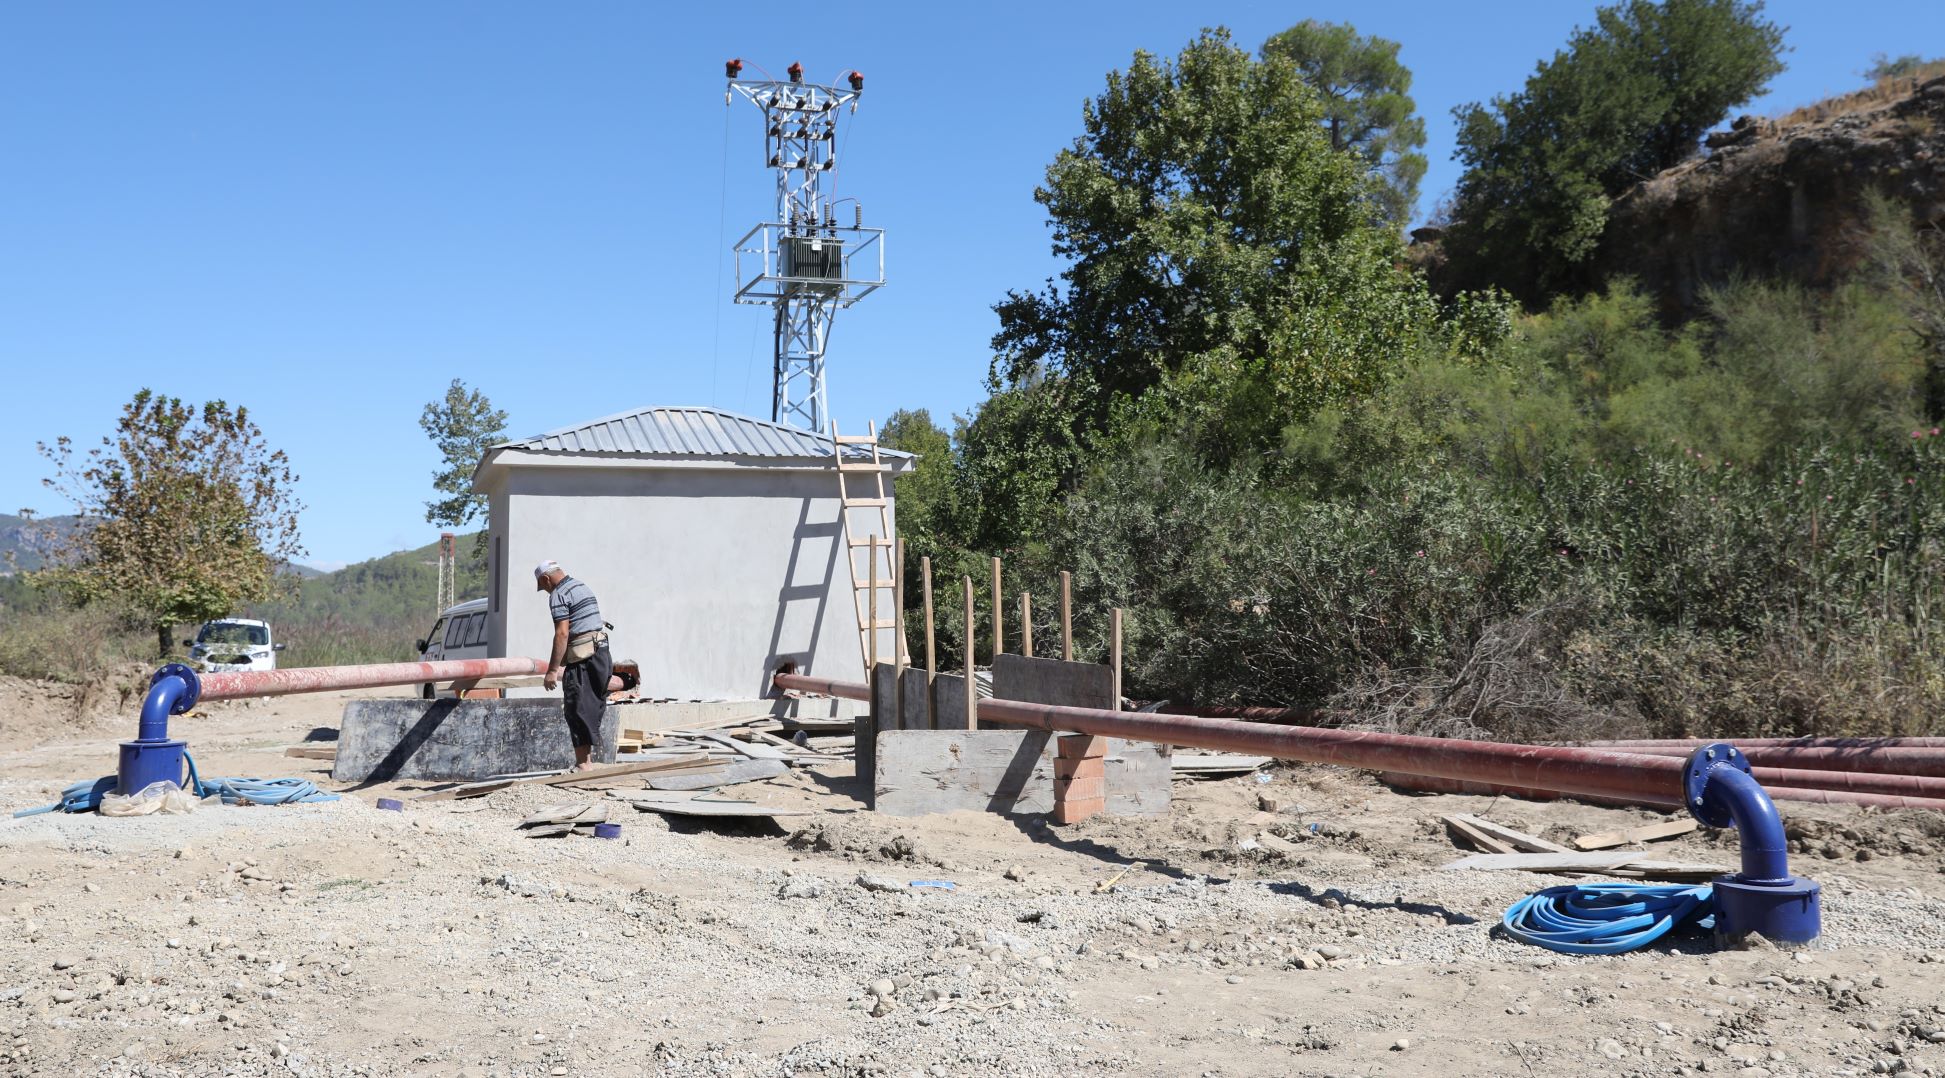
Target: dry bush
x: 1874, y: 96
x: 1508, y: 686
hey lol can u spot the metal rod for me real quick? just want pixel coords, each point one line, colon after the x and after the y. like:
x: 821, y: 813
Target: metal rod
x: 999, y: 618
x: 931, y: 651
x: 1773, y: 743
x: 230, y: 686
x: 898, y: 650
x: 1066, y: 616
x: 972, y: 696
x: 1114, y: 656
x: 1408, y: 781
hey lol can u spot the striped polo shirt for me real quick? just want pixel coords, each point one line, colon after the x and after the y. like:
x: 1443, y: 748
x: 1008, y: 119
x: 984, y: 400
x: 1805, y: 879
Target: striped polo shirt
x: 573, y: 602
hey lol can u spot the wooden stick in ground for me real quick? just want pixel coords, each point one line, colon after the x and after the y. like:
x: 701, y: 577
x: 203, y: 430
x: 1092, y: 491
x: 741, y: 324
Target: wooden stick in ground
x: 999, y: 614
x: 931, y: 653
x: 1066, y: 616
x: 898, y: 652
x: 1026, y: 624
x: 972, y: 698
x: 1114, y: 655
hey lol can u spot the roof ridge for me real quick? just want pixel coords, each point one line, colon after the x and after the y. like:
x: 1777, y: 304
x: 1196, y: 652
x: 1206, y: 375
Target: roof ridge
x: 685, y: 430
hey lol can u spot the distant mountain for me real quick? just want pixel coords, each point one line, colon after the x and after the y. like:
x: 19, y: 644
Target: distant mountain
x: 16, y: 539
x: 392, y: 591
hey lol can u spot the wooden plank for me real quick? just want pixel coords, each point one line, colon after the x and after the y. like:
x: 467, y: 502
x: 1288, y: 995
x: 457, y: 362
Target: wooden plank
x: 856, y: 439
x: 721, y: 775
x: 569, y: 779
x: 1473, y: 836
x: 1581, y: 862
x: 1646, y: 833
x: 312, y: 752
x: 1026, y: 624
x: 1519, y: 840
x: 1114, y: 656
x: 1210, y: 764
x: 1066, y: 615
x: 931, y: 650
x: 689, y: 804
x: 972, y: 692
x: 999, y: 612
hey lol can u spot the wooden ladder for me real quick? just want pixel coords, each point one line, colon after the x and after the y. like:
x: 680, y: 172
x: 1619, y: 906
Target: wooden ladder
x: 873, y: 584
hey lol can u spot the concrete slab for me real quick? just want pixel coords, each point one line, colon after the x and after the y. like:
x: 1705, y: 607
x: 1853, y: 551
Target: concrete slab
x: 385, y: 739
x: 1005, y: 771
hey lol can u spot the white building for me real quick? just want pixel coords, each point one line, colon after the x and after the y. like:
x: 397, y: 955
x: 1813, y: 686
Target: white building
x: 712, y: 540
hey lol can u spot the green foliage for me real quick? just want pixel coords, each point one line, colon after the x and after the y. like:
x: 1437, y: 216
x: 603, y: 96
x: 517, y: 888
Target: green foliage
x: 185, y: 515
x: 1220, y: 254
x: 1626, y: 99
x: 463, y: 425
x: 1884, y: 67
x: 1368, y: 109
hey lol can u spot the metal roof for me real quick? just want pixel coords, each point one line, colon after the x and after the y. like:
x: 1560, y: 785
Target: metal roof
x: 687, y: 432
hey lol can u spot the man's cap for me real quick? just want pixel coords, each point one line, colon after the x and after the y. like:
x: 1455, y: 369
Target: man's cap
x: 545, y: 567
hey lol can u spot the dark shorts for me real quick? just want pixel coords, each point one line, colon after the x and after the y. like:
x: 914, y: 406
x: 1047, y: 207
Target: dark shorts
x: 584, y: 695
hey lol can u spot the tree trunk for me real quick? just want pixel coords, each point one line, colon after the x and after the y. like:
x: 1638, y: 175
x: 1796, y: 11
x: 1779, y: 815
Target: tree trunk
x: 162, y: 640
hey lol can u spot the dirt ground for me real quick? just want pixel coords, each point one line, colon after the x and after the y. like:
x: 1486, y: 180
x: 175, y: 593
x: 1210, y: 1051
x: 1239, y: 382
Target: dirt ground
x: 337, y: 939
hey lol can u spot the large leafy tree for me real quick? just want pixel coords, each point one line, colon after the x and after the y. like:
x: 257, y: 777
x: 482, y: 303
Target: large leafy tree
x: 1216, y: 245
x: 185, y: 514
x: 1368, y: 109
x: 1628, y: 97
x: 463, y: 425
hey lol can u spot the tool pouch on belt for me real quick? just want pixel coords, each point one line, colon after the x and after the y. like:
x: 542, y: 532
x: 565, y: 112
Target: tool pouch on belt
x: 580, y: 647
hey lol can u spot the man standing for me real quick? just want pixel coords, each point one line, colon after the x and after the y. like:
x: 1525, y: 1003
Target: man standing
x: 579, y: 661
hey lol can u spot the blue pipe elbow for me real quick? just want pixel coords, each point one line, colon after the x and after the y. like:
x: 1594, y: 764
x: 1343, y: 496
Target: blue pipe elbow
x: 1763, y: 899
x: 154, y: 756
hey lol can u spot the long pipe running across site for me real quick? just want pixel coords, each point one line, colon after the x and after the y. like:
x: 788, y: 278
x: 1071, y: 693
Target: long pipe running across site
x: 1593, y: 772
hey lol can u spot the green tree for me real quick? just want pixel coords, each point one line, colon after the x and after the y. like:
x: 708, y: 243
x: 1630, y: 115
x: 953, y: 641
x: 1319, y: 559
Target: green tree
x: 1367, y: 106
x: 1628, y: 97
x: 1213, y: 237
x: 185, y: 515
x: 1884, y: 67
x: 464, y: 425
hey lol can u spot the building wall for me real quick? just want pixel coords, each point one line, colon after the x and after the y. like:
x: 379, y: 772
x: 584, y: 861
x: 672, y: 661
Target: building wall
x: 712, y: 576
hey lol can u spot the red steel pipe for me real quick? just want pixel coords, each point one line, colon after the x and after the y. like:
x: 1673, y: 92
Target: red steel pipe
x: 226, y: 686
x: 1919, y: 761
x: 1408, y: 781
x: 1804, y: 742
x: 1597, y: 772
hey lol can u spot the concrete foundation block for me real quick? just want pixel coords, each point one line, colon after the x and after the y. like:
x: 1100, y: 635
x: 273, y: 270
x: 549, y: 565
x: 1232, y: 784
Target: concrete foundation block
x: 1053, y: 681
x: 382, y: 740
x: 1006, y: 771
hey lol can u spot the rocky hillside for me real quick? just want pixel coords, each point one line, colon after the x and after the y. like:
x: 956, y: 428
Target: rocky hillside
x: 1783, y: 198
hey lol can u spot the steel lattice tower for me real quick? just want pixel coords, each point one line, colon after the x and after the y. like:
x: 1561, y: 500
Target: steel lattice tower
x: 803, y: 263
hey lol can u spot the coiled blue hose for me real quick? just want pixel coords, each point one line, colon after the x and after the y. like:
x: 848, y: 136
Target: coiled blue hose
x: 1608, y: 918
x: 256, y: 791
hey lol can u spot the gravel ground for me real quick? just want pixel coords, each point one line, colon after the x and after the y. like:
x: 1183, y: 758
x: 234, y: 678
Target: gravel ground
x: 338, y: 939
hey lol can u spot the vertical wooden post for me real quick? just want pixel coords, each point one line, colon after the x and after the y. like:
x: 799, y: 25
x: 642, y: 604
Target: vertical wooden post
x: 871, y: 611
x: 1114, y: 655
x: 972, y: 697
x: 931, y: 654
x: 898, y: 649
x: 999, y: 613
x: 1066, y: 615
x: 1026, y: 624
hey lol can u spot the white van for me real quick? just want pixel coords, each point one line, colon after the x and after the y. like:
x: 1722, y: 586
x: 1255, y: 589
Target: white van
x: 234, y: 644
x: 460, y: 633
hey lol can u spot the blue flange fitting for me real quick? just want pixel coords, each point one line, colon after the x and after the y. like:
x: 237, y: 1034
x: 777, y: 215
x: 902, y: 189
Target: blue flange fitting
x: 154, y: 756
x: 1763, y: 898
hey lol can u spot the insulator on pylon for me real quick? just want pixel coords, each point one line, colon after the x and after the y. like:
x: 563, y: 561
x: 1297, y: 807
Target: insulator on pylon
x: 858, y: 218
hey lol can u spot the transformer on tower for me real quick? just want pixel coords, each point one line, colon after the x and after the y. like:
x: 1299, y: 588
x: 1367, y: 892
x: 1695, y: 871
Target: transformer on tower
x: 803, y: 263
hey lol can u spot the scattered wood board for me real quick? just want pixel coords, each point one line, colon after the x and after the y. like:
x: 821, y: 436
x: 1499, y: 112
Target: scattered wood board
x: 313, y: 752
x: 1206, y: 764
x: 571, y: 778
x: 675, y: 803
x: 1474, y: 837
x: 723, y: 775
x: 1645, y: 833
x: 574, y: 812
x: 1506, y: 836
x: 1632, y: 865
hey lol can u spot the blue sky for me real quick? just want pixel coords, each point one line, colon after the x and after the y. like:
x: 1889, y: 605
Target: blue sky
x: 325, y: 212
